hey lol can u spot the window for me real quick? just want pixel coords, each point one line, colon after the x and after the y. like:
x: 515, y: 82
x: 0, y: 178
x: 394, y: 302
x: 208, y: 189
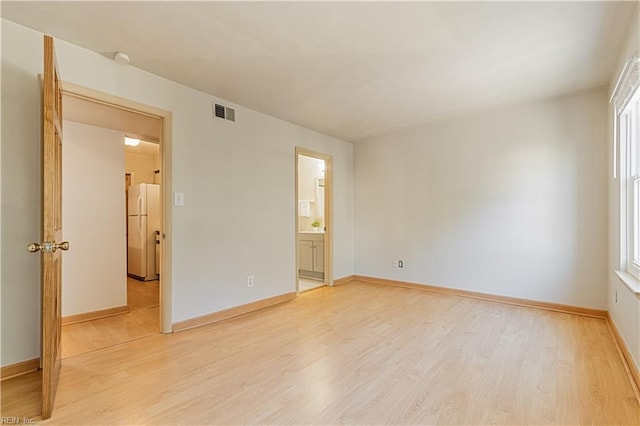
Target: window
x: 627, y: 106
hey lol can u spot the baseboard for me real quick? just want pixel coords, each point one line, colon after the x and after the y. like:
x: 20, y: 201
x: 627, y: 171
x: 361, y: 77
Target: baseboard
x: 88, y: 316
x: 19, y: 368
x: 549, y: 306
x: 231, y: 312
x: 344, y: 280
x: 627, y: 360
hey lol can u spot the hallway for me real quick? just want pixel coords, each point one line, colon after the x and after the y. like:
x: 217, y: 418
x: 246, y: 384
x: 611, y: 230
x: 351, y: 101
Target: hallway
x: 142, y: 320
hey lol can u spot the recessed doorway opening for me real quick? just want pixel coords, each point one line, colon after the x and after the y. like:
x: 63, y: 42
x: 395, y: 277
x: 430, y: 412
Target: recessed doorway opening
x: 104, y: 301
x: 313, y: 220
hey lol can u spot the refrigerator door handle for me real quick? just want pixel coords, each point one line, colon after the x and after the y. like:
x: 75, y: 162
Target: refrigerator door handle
x: 140, y: 214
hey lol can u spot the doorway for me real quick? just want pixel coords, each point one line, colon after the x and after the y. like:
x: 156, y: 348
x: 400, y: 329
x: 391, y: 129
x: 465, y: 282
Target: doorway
x: 313, y: 220
x: 140, y: 309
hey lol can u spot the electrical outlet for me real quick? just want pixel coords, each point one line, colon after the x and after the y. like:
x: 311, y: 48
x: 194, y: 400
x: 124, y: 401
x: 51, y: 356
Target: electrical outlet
x: 400, y: 263
x: 250, y: 281
x: 396, y: 263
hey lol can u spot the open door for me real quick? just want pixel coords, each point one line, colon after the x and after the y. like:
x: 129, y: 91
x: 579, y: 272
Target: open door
x: 51, y: 248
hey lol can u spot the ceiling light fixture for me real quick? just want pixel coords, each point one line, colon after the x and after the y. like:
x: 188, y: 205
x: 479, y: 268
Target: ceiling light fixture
x: 121, y: 58
x: 131, y: 141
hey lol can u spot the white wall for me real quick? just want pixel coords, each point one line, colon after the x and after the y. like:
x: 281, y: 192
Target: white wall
x: 141, y: 166
x: 508, y: 202
x: 94, y: 275
x: 21, y: 202
x: 238, y: 180
x: 626, y: 310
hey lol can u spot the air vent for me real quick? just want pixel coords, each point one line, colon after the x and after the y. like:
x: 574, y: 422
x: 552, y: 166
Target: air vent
x: 224, y: 112
x: 219, y: 111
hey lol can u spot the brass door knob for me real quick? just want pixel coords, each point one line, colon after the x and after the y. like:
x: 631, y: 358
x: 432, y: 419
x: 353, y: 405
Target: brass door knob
x: 34, y: 247
x: 62, y: 246
x: 48, y: 246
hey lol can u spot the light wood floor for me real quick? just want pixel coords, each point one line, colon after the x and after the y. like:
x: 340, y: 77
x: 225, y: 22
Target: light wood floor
x: 142, y: 320
x: 362, y: 354
x: 21, y: 397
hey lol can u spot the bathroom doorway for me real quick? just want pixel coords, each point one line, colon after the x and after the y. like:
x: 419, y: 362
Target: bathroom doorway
x: 313, y: 220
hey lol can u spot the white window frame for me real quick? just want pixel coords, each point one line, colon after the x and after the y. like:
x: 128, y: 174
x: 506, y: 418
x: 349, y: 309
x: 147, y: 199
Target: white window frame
x: 635, y: 235
x: 629, y: 142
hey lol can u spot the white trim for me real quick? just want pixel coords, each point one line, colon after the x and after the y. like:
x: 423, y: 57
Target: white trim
x: 633, y: 257
x: 629, y: 145
x: 634, y: 59
x: 615, y: 142
x: 627, y: 83
x: 631, y: 282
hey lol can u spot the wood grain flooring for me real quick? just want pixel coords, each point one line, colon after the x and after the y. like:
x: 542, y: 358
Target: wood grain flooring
x: 21, y: 396
x: 359, y: 354
x: 142, y: 320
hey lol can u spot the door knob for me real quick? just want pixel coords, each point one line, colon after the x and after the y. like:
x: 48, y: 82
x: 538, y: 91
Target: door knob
x: 48, y: 246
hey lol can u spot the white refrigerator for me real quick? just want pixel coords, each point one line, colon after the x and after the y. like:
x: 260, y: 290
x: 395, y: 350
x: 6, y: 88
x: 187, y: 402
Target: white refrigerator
x: 143, y: 220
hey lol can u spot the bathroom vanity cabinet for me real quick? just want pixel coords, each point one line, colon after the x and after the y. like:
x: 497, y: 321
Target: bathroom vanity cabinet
x: 311, y: 254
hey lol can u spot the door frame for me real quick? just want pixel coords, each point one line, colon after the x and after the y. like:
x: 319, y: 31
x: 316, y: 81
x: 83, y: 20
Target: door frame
x: 165, y: 317
x: 328, y: 213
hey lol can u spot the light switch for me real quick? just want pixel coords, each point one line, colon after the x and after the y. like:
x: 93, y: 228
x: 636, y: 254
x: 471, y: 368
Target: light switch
x: 178, y: 198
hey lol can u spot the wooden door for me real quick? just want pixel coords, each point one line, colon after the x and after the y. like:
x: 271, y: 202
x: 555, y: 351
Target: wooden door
x: 52, y: 228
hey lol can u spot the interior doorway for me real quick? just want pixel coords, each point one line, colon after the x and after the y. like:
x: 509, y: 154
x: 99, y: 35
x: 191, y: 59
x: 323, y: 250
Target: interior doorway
x: 139, y: 308
x: 313, y: 220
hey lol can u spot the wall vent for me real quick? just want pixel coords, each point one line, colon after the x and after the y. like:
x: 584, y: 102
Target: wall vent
x: 224, y: 112
x: 219, y: 111
x: 231, y: 113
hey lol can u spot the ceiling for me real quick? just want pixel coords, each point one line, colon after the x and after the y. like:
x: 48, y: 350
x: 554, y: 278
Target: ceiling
x: 150, y: 149
x: 130, y: 123
x: 354, y: 70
